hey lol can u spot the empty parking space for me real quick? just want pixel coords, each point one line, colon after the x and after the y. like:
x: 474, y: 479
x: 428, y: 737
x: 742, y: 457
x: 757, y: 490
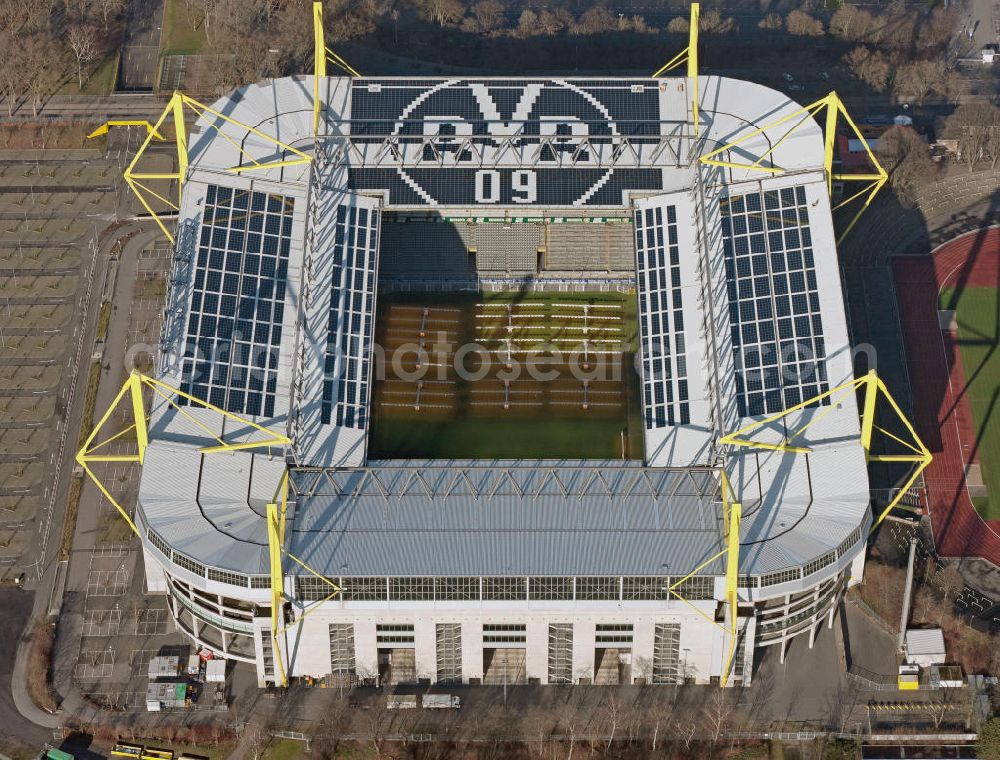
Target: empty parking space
x: 102, y: 622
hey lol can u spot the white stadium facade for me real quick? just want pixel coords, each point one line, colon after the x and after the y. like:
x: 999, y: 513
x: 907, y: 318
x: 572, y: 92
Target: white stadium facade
x: 526, y: 571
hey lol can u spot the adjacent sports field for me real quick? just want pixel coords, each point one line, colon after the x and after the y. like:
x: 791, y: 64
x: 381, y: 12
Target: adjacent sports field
x: 977, y: 312
x: 522, y: 375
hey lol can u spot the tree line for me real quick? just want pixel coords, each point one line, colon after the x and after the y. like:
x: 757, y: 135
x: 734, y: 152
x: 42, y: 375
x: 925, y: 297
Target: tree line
x: 45, y: 45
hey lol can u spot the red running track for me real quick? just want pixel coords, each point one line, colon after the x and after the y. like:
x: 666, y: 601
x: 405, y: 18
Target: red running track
x: 943, y: 416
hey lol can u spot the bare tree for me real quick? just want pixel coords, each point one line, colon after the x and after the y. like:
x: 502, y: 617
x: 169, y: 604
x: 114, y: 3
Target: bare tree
x: 937, y: 29
x: 83, y: 41
x: 938, y: 706
x: 712, y: 22
x: 772, y: 22
x: 686, y: 730
x: 204, y: 9
x: 678, y: 25
x: 490, y: 16
x: 595, y: 21
x: 552, y: 22
x: 918, y: 79
x: 569, y: 719
x: 42, y: 68
x: 947, y: 580
x: 11, y: 72
x: 109, y: 8
x: 257, y: 738
x: 661, y: 712
x: 441, y: 12
x: 907, y: 158
x: 717, y: 712
x: 973, y: 125
x: 852, y: 24
x: 612, y: 711
x: 802, y: 24
x: 869, y: 66
x: 527, y: 23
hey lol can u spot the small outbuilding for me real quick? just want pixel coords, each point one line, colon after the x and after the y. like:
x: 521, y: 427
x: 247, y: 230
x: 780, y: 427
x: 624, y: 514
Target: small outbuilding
x: 166, y: 696
x: 164, y: 666
x: 215, y: 671
x: 925, y: 647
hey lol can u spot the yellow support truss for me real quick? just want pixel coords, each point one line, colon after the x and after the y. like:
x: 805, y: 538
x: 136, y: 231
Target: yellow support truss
x: 322, y: 54
x: 276, y: 523
x: 731, y: 515
x: 175, y: 110
x: 319, y: 60
x: 873, y: 388
x: 94, y: 450
x: 688, y: 55
x: 872, y: 182
x: 103, y: 129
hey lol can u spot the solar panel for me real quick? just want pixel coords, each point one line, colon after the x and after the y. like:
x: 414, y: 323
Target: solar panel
x: 352, y: 313
x: 582, y: 186
x: 234, y: 325
x: 505, y: 142
x: 661, y: 318
x: 774, y: 305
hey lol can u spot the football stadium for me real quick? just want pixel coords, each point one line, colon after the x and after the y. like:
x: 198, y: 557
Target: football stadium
x: 500, y: 381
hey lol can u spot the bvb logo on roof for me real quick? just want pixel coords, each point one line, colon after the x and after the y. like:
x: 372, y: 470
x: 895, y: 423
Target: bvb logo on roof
x: 522, y: 132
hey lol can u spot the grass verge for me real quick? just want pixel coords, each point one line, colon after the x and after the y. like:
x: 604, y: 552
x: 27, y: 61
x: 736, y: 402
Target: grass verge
x: 76, y: 484
x: 182, y: 35
x: 103, y: 320
x: 39, y: 665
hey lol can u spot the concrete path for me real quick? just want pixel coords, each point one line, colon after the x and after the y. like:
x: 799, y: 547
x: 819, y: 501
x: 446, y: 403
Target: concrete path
x: 68, y: 640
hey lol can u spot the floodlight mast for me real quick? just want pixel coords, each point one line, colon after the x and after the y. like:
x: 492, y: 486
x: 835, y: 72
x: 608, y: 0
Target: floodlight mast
x: 873, y: 181
x: 321, y: 54
x: 96, y: 451
x: 175, y: 111
x: 688, y: 55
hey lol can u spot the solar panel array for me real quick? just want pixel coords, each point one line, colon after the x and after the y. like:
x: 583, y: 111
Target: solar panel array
x: 487, y: 113
x: 661, y: 318
x: 234, y: 326
x: 452, y: 186
x: 774, y: 305
x: 379, y: 107
x: 352, y: 313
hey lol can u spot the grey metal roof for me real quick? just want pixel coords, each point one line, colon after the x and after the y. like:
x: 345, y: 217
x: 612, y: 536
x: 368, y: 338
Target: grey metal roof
x: 496, y: 518
x: 457, y: 518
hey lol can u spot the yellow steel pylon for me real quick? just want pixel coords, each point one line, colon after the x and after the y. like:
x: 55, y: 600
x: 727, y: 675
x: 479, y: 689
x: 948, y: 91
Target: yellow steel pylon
x: 873, y: 387
x: 136, y: 383
x: 175, y: 110
x: 103, y: 129
x: 277, y: 510
x: 688, y: 55
x: 834, y: 108
x: 321, y: 53
x: 731, y: 515
x: 276, y: 516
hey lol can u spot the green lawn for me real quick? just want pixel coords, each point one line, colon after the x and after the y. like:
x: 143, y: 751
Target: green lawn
x: 978, y: 332
x: 515, y: 434
x: 497, y: 439
x: 284, y: 749
x: 182, y: 34
x: 100, y: 81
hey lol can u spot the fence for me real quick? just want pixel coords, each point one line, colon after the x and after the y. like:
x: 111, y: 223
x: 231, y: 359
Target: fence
x: 509, y: 285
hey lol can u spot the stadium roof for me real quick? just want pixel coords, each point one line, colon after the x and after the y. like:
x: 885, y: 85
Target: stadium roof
x: 273, y: 299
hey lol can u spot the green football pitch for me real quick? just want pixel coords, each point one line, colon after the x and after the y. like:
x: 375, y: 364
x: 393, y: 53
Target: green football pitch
x: 468, y: 419
x: 978, y: 315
